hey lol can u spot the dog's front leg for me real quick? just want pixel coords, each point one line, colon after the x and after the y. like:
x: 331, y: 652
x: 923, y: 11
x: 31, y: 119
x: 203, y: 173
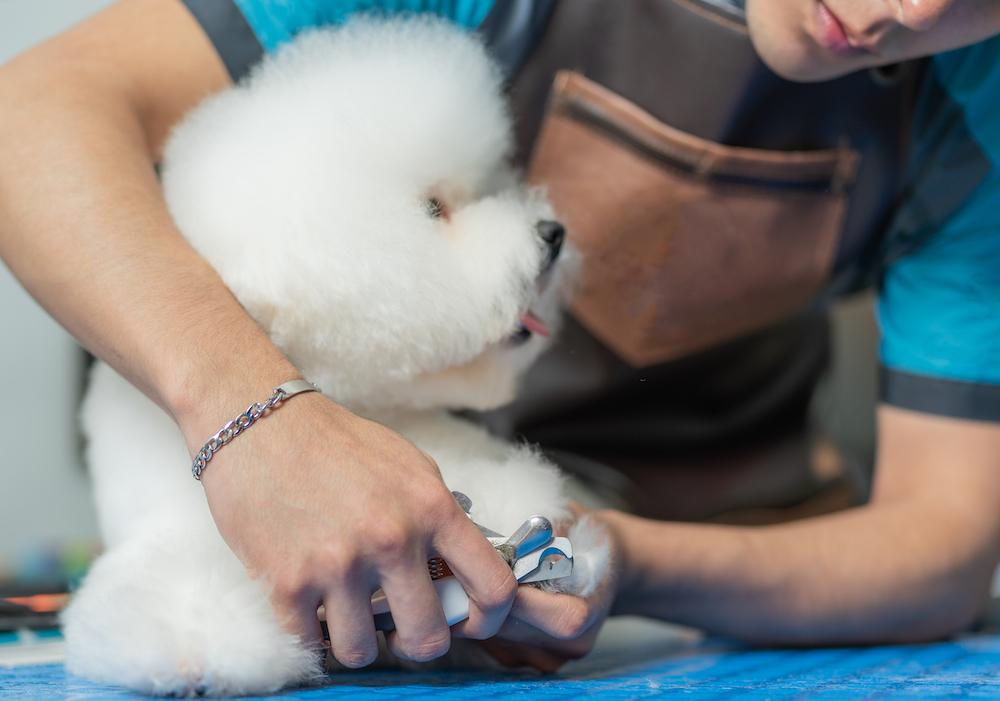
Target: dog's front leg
x: 171, y: 611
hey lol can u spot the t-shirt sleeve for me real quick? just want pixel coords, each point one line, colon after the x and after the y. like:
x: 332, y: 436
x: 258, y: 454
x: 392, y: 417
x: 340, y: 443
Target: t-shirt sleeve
x: 939, y: 305
x: 939, y: 310
x: 243, y: 31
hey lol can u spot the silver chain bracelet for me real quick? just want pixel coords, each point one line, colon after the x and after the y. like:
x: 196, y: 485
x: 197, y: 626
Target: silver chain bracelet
x: 245, y: 420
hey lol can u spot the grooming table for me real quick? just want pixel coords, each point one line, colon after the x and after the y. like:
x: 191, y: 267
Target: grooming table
x: 633, y: 659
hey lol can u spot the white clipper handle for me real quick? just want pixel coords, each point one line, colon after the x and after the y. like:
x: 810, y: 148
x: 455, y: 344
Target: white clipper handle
x: 454, y: 600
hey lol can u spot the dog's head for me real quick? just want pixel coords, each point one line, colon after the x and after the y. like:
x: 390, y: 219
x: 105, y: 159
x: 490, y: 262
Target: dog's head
x: 355, y: 195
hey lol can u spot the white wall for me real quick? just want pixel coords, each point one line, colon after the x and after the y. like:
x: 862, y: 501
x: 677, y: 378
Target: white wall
x: 44, y: 499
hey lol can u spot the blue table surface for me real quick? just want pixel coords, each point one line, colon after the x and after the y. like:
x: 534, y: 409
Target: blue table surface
x: 641, y: 665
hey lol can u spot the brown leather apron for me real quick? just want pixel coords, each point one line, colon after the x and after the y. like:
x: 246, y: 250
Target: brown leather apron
x: 713, y: 202
x: 686, y: 242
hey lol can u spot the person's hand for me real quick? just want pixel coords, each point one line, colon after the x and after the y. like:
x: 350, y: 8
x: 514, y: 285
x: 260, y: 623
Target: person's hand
x: 546, y: 630
x: 327, y: 507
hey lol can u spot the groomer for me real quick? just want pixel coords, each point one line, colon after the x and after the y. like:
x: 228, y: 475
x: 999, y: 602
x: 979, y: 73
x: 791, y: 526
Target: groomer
x: 719, y: 208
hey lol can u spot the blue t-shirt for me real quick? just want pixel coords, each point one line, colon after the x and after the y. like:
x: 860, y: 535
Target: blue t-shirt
x: 939, y: 304
x: 275, y: 22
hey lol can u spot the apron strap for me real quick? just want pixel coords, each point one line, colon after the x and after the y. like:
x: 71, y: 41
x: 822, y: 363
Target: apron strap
x: 513, y: 28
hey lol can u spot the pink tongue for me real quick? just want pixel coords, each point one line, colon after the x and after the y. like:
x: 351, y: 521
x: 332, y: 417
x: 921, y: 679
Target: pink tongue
x: 534, y: 324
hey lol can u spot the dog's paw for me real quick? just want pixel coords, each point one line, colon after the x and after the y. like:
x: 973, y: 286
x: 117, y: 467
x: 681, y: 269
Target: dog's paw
x: 180, y: 621
x: 591, y: 559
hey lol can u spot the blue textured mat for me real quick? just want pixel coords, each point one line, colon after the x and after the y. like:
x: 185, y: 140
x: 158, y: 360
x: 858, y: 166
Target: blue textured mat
x: 968, y: 668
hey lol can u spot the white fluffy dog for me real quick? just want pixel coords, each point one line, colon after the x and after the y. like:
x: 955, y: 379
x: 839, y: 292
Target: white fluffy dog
x: 355, y: 196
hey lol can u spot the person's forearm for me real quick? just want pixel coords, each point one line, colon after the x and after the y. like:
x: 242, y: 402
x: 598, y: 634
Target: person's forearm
x: 869, y: 575
x: 84, y: 227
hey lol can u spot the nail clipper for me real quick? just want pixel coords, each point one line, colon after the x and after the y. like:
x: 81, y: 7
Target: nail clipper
x: 533, y: 553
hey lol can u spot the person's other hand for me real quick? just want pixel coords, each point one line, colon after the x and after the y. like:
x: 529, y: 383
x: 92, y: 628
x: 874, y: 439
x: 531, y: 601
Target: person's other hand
x: 327, y: 507
x: 546, y: 630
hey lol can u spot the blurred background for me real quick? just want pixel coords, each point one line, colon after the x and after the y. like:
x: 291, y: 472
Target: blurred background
x: 47, y: 522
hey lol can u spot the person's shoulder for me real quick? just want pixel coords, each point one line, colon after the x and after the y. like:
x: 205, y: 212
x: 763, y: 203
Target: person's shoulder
x: 971, y: 78
x: 244, y: 31
x: 278, y: 21
x: 939, y: 311
x: 939, y: 305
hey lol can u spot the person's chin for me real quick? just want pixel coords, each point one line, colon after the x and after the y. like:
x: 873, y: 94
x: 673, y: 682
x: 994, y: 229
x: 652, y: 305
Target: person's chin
x: 807, y: 69
x: 793, y: 54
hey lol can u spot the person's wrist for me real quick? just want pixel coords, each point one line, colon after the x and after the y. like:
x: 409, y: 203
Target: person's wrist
x: 239, y: 424
x: 626, y: 564
x: 203, y: 397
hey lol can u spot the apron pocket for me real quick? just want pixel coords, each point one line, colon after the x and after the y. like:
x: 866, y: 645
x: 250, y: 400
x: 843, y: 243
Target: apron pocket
x: 686, y: 243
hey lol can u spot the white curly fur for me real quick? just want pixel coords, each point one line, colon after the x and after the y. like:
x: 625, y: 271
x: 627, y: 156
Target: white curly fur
x: 306, y: 188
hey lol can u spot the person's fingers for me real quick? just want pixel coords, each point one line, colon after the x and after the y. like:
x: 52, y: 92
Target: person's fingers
x: 421, y: 632
x: 502, y: 653
x: 486, y: 578
x: 519, y: 632
x: 522, y: 635
x: 295, y: 609
x: 514, y: 656
x: 350, y: 624
x: 560, y: 616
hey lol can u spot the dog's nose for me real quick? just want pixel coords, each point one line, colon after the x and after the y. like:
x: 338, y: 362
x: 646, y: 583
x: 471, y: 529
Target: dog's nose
x: 553, y: 234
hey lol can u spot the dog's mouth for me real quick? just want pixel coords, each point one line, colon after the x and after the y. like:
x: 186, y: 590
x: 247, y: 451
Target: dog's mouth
x: 531, y: 323
x: 528, y: 324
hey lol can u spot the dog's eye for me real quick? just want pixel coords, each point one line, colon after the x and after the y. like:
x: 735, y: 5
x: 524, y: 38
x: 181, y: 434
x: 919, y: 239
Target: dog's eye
x: 436, y: 208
